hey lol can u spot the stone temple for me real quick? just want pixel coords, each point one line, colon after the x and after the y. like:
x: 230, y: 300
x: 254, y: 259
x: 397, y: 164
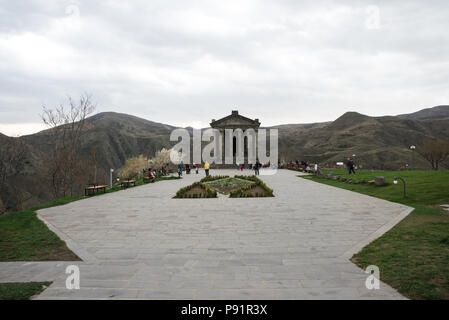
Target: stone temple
x: 235, y: 121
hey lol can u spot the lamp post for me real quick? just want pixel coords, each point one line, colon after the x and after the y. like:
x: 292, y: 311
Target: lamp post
x: 110, y: 180
x: 413, y: 155
x: 403, y: 182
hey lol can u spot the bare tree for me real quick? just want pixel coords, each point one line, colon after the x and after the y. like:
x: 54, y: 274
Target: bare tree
x: 435, y: 151
x: 13, y: 158
x: 64, y: 161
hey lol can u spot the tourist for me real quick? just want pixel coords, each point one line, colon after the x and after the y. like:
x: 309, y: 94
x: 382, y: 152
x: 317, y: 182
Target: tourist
x: 350, y: 166
x: 150, y: 174
x: 206, y: 168
x: 180, y: 169
x: 242, y: 166
x: 187, y: 168
x: 196, y: 168
x: 257, y: 167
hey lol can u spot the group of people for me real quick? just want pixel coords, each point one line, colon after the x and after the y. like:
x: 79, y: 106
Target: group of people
x: 181, y: 167
x: 195, y: 165
x: 305, y: 166
x: 154, y: 173
x: 297, y: 165
x: 256, y: 167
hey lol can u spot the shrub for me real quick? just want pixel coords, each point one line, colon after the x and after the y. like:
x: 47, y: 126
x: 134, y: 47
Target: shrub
x: 213, y: 178
x: 208, y: 192
x: 133, y: 167
x: 245, y: 191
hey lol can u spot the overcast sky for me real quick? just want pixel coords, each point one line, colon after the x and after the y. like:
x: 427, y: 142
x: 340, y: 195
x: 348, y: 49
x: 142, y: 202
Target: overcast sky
x: 186, y: 62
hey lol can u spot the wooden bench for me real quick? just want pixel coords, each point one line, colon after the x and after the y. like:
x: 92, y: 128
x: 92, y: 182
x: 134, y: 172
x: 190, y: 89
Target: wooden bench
x: 94, y: 188
x: 127, y: 183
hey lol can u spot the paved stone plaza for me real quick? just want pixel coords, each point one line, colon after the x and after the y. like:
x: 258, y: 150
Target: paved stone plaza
x: 140, y: 243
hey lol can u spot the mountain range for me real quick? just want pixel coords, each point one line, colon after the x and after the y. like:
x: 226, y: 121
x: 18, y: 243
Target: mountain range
x: 376, y: 142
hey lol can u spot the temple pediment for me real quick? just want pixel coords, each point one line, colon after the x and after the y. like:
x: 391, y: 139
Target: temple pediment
x: 234, y: 120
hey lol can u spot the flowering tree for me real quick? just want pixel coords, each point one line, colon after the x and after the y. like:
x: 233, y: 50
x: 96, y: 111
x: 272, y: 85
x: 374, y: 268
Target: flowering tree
x: 133, y: 167
x: 161, y: 159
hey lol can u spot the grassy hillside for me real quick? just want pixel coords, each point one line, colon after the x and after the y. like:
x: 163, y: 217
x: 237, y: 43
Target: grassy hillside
x: 377, y: 142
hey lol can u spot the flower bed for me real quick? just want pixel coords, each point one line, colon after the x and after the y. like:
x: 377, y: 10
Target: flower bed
x: 195, y: 191
x: 213, y: 178
x: 257, y: 189
x: 226, y: 185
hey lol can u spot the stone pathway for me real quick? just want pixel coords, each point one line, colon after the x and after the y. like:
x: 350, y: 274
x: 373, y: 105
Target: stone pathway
x: 142, y: 244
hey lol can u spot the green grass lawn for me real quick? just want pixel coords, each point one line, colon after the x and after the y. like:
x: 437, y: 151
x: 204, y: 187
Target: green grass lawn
x: 23, y: 237
x: 413, y: 256
x: 21, y: 291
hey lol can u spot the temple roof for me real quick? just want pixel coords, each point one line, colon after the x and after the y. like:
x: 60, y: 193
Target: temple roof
x: 235, y: 120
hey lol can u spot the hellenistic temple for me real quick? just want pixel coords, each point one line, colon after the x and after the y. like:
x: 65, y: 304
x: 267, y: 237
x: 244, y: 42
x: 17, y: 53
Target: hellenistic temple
x: 235, y: 121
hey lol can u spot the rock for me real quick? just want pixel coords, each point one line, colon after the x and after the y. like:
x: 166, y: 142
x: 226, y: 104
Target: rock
x: 371, y: 182
x: 362, y: 181
x: 380, y: 181
x: 343, y: 179
x: 349, y: 180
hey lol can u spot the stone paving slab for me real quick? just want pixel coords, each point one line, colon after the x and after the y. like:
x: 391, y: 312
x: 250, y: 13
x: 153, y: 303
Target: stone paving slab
x: 140, y: 243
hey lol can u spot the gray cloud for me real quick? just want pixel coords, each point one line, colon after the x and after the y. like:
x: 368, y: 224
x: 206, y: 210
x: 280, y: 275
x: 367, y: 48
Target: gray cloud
x: 185, y: 62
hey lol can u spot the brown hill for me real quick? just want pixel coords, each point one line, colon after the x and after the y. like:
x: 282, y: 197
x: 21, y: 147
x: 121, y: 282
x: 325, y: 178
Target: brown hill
x: 377, y: 142
x: 438, y: 112
x: 115, y: 137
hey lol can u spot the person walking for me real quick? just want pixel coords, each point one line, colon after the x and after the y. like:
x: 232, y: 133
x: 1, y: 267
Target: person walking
x: 350, y: 166
x: 353, y: 166
x: 206, y: 168
x: 180, y: 169
x: 197, y: 167
x: 257, y: 167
